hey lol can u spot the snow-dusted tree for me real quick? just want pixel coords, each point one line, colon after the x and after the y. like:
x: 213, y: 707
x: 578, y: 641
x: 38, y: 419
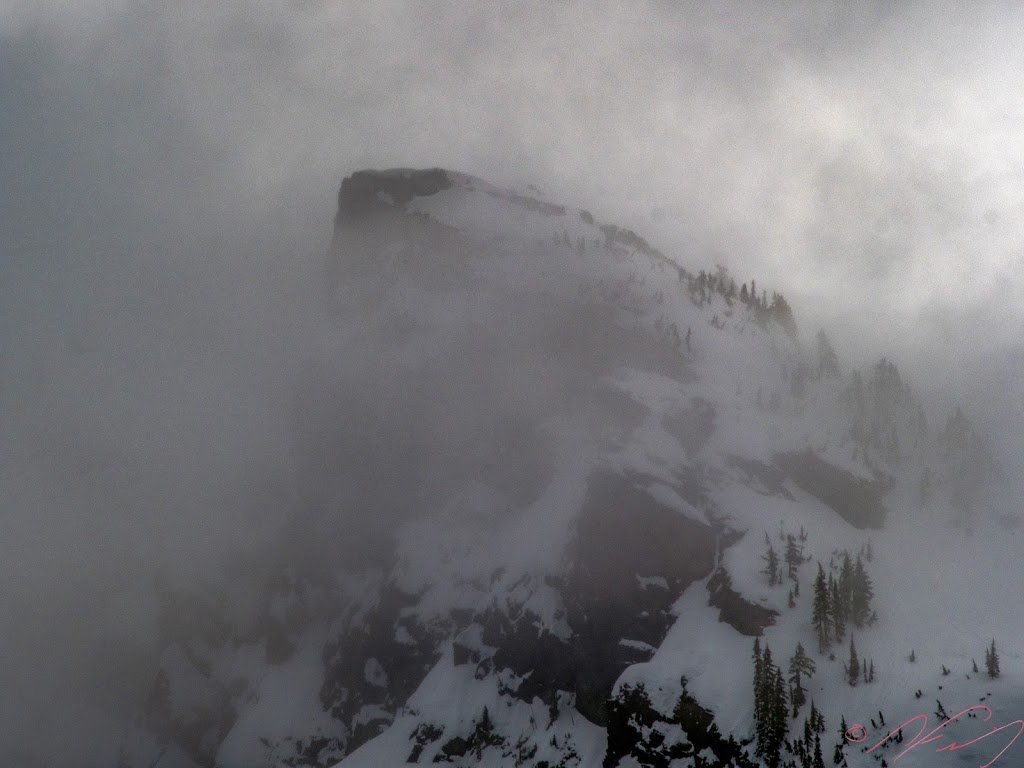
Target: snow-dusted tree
x: 800, y: 665
x: 853, y: 665
x: 821, y: 617
x: 828, y: 361
x: 782, y: 314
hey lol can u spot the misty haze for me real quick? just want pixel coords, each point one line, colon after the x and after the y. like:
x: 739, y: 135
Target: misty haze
x: 517, y: 385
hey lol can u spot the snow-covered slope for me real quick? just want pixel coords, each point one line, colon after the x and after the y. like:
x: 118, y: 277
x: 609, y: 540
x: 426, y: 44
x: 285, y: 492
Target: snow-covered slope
x: 566, y: 455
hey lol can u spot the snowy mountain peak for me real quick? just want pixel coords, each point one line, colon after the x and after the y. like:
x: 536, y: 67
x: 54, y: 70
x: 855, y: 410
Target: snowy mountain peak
x: 575, y: 480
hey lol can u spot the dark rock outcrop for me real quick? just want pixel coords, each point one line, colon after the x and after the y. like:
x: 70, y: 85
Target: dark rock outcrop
x: 400, y: 647
x: 857, y: 500
x: 364, y: 192
x: 622, y: 529
x: 745, y: 617
x: 692, y: 426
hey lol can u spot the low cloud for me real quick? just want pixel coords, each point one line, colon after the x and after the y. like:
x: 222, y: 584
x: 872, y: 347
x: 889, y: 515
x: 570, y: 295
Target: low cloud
x: 170, y: 175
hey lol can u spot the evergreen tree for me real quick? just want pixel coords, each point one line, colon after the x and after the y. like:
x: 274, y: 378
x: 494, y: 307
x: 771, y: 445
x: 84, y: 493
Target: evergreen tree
x: 779, y: 715
x: 484, y: 735
x: 762, y: 705
x: 861, y: 594
x: 767, y: 667
x: 853, y: 666
x: 871, y: 671
x: 771, y: 569
x: 845, y: 585
x: 800, y: 665
x: 821, y: 613
x: 842, y: 736
x: 817, y: 719
x: 974, y: 666
x: 801, y: 662
x: 797, y: 695
x: 794, y: 556
x: 771, y: 718
x: 838, y: 609
x: 992, y: 661
x: 818, y: 761
x: 758, y: 678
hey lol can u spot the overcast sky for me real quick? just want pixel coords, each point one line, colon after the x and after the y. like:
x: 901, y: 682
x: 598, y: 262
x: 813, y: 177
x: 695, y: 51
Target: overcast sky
x: 169, y: 176
x: 839, y: 151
